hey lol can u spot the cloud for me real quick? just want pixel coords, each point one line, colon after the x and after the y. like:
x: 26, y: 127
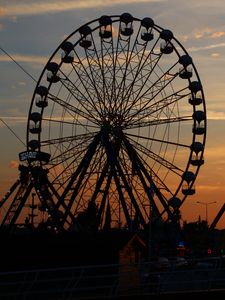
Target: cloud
x: 208, y: 34
x: 217, y: 34
x: 2, y: 11
x: 6, y: 121
x: 208, y: 47
x: 13, y: 164
x: 215, y: 115
x: 204, y: 33
x: 22, y: 83
x: 25, y: 58
x: 215, y: 55
x: 200, y: 33
x: 213, y: 187
x: 59, y: 6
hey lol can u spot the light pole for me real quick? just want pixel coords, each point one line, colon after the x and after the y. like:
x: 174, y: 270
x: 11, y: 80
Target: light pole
x: 206, y: 208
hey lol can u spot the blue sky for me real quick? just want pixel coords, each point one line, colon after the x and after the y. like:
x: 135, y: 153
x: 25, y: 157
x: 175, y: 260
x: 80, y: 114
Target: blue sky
x: 30, y: 31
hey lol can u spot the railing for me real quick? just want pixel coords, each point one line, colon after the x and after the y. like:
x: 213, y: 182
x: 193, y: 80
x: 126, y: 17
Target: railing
x: 111, y: 281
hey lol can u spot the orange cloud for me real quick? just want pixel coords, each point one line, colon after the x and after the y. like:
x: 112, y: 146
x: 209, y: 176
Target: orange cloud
x: 13, y: 164
x: 215, y: 115
x: 211, y: 188
x: 198, y: 35
x: 207, y: 33
x: 201, y: 33
x: 217, y: 34
x: 2, y: 11
x: 215, y: 55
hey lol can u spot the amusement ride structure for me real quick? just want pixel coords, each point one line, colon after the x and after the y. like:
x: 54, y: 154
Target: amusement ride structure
x: 116, y: 131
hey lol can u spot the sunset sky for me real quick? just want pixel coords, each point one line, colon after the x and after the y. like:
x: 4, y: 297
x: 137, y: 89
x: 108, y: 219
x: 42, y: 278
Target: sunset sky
x: 31, y: 30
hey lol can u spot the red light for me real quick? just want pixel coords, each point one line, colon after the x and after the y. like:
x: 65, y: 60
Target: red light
x: 209, y: 251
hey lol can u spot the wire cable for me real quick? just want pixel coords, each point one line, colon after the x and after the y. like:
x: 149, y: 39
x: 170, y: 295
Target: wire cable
x: 22, y: 68
x: 25, y: 71
x: 12, y: 131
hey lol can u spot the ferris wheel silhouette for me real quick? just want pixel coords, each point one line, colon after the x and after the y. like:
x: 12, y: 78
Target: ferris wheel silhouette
x: 116, y: 131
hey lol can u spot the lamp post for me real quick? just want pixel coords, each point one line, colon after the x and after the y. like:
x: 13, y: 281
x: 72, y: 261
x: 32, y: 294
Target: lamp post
x: 206, y: 208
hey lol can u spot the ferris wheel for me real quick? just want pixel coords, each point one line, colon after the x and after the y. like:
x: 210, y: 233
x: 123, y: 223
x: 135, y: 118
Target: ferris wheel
x: 116, y: 127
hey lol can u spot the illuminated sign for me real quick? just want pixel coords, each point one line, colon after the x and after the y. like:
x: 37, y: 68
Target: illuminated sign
x: 34, y: 155
x: 28, y: 155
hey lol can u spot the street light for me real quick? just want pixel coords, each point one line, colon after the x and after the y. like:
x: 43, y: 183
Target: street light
x: 206, y: 208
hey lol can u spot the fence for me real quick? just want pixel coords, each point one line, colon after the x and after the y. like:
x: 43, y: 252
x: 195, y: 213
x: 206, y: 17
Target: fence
x: 112, y: 281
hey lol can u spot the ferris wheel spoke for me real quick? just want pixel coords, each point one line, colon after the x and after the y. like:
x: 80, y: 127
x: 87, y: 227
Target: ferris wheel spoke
x: 158, y: 106
x: 78, y: 201
x: 86, y: 184
x: 103, y: 67
x: 96, y: 70
x: 54, y: 191
x: 69, y: 121
x: 123, y: 100
x: 77, y: 87
x: 129, y: 53
x: 81, y: 98
x: 83, y: 185
x: 137, y: 180
x: 62, y: 178
x: 121, y: 65
x: 157, y: 140
x: 122, y: 199
x: 161, y: 160
x: 65, y: 173
x: 106, y: 72
x: 158, y: 85
x: 70, y: 108
x: 66, y: 139
x: 162, y: 82
x: 114, y: 171
x: 104, y: 198
x: 148, y: 171
x: 158, y: 121
x: 87, y: 81
x: 99, y: 181
x: 96, y: 73
x: 117, y: 168
x: 80, y: 171
x: 114, y: 55
x: 81, y: 92
x: 124, y: 70
x: 153, y: 187
x: 67, y: 155
x: 71, y: 156
x: 141, y: 77
x: 148, y: 190
x: 142, y: 63
x: 100, y: 188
